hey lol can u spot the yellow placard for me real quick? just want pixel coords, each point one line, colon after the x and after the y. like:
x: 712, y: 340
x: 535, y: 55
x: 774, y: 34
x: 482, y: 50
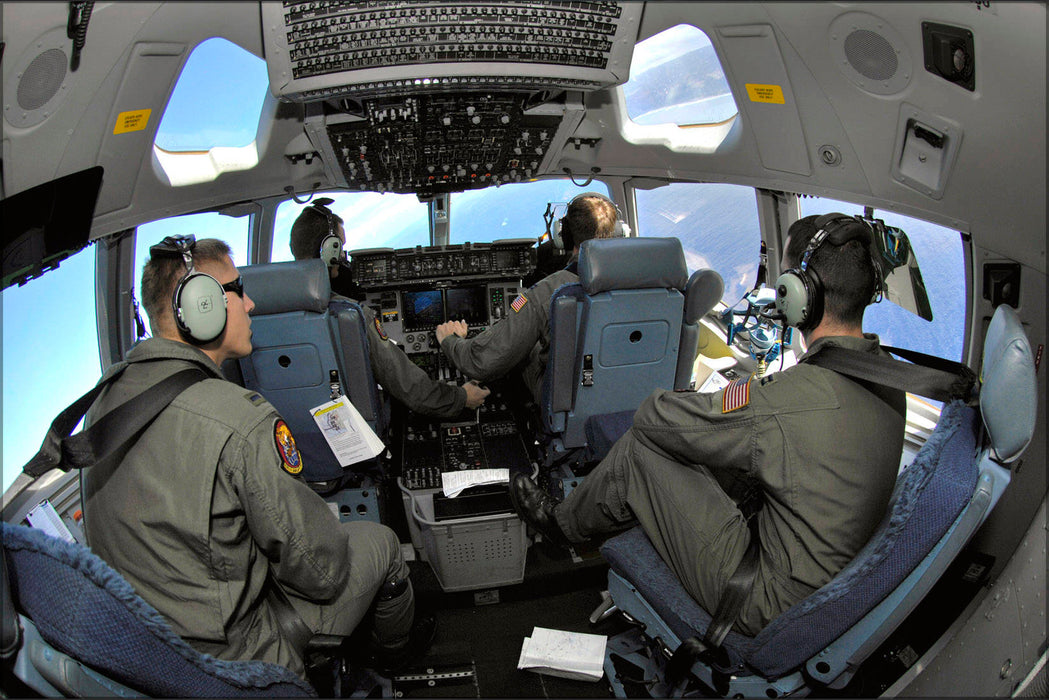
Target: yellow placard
x: 135, y: 120
x: 772, y: 94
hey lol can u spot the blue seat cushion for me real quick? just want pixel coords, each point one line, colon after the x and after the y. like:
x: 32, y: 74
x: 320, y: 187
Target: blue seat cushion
x: 603, y: 430
x: 929, y: 496
x: 85, y: 609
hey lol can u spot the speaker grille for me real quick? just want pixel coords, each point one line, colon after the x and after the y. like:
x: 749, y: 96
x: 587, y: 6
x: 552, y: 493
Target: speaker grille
x: 870, y: 54
x: 42, y: 79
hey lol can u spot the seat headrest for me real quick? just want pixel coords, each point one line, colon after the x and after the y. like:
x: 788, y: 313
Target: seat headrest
x: 632, y: 263
x: 301, y: 285
x: 704, y: 289
x: 1008, y: 401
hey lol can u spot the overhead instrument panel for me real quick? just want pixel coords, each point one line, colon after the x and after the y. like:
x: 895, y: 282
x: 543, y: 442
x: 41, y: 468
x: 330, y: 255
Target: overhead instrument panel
x: 327, y: 49
x: 444, y: 142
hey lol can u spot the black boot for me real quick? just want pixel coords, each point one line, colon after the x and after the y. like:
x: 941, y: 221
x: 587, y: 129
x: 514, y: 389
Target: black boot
x: 420, y: 638
x: 536, y: 508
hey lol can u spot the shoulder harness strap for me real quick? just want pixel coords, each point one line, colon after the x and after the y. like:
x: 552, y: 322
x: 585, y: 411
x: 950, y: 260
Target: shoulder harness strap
x: 929, y: 376
x: 110, y: 435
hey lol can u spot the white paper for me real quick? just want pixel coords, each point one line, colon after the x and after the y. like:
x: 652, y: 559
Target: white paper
x: 45, y: 517
x: 453, y: 483
x: 574, y: 655
x: 349, y: 436
x: 713, y: 383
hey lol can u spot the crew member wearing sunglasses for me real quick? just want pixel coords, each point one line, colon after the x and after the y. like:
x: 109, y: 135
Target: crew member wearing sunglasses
x: 206, y: 516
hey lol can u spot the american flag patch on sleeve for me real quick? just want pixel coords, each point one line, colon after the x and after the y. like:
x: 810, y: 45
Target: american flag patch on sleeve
x: 518, y: 303
x: 736, y: 396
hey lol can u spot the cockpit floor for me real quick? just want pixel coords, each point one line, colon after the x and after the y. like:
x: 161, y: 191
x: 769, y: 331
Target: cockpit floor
x: 480, y: 633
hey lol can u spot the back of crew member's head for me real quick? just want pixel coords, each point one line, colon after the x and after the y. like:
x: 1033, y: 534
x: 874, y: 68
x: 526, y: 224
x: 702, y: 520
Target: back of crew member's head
x: 308, y: 231
x: 590, y: 217
x: 846, y: 271
x: 161, y: 274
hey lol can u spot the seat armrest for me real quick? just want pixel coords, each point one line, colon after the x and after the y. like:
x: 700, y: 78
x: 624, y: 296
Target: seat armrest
x: 10, y: 629
x: 563, y: 329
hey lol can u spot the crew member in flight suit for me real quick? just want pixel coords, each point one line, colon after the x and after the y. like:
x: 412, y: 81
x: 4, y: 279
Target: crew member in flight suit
x: 206, y: 514
x: 823, y: 449
x: 525, y: 333
x: 391, y: 366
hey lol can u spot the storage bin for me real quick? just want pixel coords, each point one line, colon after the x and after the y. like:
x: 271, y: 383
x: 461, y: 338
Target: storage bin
x: 467, y: 553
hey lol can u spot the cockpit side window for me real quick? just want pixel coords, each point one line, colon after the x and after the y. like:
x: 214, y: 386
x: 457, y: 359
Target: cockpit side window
x: 676, y: 78
x: 717, y: 225
x: 370, y: 219
x: 511, y: 211
x: 211, y: 120
x: 941, y: 259
x: 50, y: 354
x: 212, y: 107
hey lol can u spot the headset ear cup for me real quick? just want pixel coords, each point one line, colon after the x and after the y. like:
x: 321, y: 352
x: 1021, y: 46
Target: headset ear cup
x: 799, y: 297
x: 200, y: 308
x: 792, y: 297
x: 331, y: 250
x: 557, y: 235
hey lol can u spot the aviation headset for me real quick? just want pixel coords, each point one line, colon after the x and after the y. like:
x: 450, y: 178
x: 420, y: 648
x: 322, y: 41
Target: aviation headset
x: 562, y: 235
x: 330, y: 249
x: 799, y: 291
x: 199, y: 300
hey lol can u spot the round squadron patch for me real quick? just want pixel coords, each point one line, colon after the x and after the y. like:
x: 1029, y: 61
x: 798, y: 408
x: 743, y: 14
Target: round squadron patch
x: 379, y: 330
x: 291, y: 460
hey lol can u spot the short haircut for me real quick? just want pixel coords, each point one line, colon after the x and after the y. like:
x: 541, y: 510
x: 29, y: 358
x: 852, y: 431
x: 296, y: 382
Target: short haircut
x: 308, y: 231
x: 590, y: 217
x: 161, y: 274
x: 846, y: 271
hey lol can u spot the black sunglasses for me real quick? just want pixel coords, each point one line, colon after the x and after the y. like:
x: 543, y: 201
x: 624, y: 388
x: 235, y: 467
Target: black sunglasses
x: 236, y: 286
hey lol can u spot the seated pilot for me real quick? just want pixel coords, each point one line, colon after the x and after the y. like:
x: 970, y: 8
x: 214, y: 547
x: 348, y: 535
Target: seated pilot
x: 206, y: 516
x: 525, y: 333
x: 319, y: 232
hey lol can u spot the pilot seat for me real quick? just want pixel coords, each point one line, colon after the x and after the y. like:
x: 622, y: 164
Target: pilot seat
x: 628, y: 327
x: 74, y: 627
x: 307, y: 346
x: 940, y: 500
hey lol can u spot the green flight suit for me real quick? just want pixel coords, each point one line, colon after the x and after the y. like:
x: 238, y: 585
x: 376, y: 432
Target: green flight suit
x: 204, y: 506
x: 824, y: 449
x: 406, y: 381
x: 523, y: 335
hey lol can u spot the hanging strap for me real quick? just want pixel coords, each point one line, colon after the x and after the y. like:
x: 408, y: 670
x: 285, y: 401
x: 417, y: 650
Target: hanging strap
x: 112, y: 434
x: 929, y: 376
x: 295, y: 629
x: 709, y: 649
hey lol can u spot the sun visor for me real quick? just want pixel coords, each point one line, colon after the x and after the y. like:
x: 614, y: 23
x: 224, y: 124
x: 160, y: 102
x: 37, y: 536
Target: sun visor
x: 903, y: 283
x: 48, y: 223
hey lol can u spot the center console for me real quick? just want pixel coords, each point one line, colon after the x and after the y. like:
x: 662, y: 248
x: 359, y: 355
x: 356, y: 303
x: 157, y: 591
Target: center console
x: 473, y: 539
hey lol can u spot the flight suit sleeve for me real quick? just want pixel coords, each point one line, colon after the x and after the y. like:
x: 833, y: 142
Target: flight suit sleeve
x: 289, y: 522
x: 406, y: 381
x: 501, y: 347
x: 696, y: 429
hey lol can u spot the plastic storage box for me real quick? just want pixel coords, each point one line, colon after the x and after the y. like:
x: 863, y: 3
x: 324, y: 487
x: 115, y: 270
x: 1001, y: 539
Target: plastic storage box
x: 467, y: 553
